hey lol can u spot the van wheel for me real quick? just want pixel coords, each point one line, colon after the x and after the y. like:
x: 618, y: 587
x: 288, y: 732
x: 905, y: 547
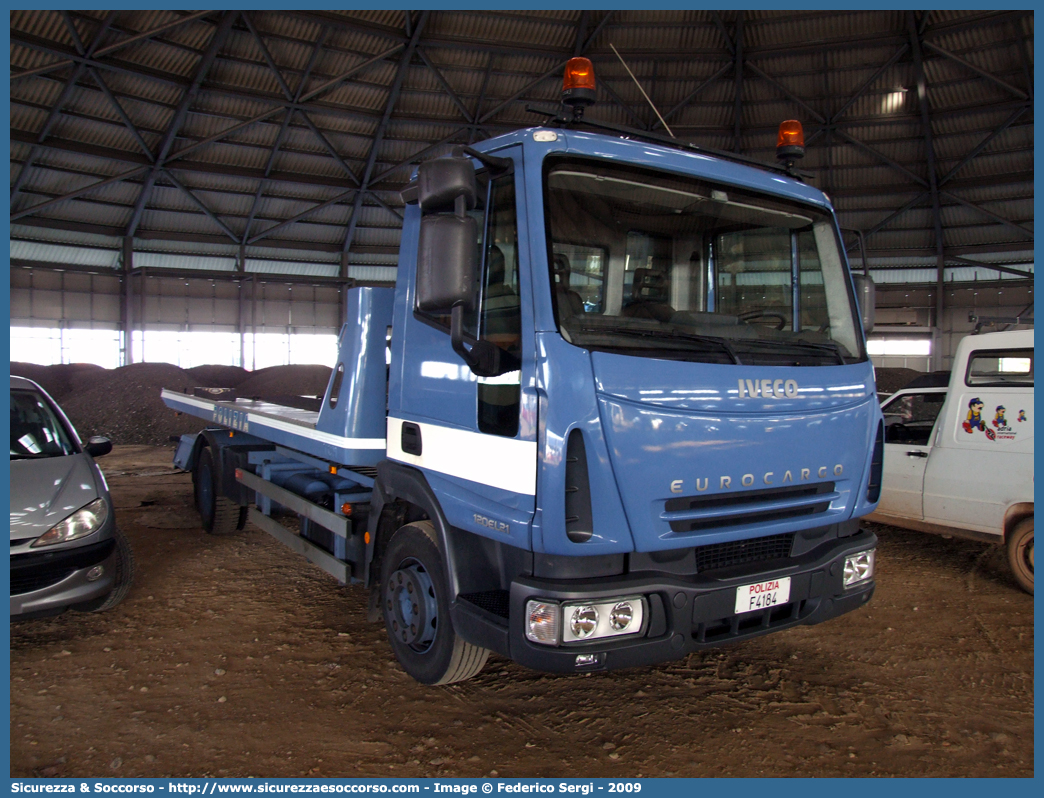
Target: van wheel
x: 1020, y: 553
x: 218, y: 514
x: 121, y: 585
x: 415, y: 604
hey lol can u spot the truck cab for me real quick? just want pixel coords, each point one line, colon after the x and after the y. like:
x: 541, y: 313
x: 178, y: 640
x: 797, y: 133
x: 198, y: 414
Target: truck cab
x: 959, y: 457
x: 678, y: 407
x: 618, y: 408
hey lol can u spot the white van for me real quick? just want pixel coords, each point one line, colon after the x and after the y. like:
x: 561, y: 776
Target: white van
x: 959, y: 459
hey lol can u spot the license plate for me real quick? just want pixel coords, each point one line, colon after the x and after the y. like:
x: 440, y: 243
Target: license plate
x: 761, y: 595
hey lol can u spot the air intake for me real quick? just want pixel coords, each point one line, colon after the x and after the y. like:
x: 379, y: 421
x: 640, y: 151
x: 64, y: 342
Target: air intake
x: 873, y: 488
x: 579, y: 523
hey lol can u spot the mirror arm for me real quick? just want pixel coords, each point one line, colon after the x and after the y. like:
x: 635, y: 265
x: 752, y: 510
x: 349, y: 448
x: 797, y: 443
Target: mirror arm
x: 485, y: 358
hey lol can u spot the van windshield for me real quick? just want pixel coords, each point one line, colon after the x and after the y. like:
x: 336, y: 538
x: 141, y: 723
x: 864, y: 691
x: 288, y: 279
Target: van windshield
x: 660, y: 265
x: 35, y: 429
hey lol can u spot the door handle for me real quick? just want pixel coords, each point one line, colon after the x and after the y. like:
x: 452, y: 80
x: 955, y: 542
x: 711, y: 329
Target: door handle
x: 917, y: 454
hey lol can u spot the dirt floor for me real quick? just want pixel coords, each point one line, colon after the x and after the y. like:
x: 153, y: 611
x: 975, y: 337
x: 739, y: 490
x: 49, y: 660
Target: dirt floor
x: 232, y: 657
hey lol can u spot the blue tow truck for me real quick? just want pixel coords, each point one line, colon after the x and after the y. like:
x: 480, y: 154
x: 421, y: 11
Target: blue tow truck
x: 617, y: 408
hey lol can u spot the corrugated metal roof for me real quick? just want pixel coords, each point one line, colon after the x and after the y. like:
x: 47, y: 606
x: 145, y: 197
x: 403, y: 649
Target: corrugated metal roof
x: 290, y: 267
x: 820, y: 58
x: 64, y: 255
x: 164, y: 260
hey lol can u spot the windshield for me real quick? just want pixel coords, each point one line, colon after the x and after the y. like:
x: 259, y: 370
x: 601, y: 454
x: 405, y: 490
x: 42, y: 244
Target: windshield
x: 35, y: 429
x: 648, y: 263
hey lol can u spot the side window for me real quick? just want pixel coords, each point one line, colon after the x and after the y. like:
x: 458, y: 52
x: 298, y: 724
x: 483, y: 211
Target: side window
x: 335, y: 387
x: 1000, y: 368
x: 910, y: 418
x: 500, y: 309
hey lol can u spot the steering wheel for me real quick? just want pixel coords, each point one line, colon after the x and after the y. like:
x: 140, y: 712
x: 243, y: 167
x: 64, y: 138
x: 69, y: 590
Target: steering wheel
x: 764, y: 314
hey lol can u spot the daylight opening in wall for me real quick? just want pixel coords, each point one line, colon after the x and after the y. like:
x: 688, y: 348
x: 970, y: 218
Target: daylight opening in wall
x: 47, y: 346
x: 899, y: 347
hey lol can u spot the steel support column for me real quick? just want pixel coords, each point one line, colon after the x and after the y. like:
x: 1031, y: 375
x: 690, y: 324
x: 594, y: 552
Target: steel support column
x: 125, y: 301
x: 926, y: 123
x: 738, y: 105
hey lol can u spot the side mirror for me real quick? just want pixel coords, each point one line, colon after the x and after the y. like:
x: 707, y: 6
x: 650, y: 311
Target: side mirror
x: 447, y: 263
x: 442, y: 181
x: 98, y: 446
x: 866, y: 297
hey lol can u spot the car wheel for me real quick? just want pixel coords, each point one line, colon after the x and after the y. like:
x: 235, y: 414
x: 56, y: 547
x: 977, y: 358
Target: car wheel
x: 218, y: 514
x: 415, y: 605
x: 1020, y: 553
x: 124, y: 566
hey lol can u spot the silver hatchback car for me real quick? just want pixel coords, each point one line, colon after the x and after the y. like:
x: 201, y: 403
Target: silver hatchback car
x: 66, y: 552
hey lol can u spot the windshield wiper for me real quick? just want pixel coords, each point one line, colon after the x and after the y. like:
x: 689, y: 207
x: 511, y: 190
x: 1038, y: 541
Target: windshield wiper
x: 832, y: 348
x: 29, y: 455
x: 676, y: 335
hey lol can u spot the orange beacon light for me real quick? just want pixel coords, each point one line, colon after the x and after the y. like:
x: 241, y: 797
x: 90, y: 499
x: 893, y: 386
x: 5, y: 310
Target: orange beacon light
x: 790, y: 145
x: 578, y: 83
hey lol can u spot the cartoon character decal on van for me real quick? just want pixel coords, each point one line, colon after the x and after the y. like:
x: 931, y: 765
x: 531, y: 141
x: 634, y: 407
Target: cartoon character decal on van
x: 998, y: 430
x: 975, y: 421
x: 998, y: 419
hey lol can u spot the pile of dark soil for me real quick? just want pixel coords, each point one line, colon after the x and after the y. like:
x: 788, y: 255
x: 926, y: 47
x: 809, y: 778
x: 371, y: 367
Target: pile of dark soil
x: 60, y: 380
x: 892, y: 380
x: 285, y: 381
x: 217, y: 376
x: 124, y: 404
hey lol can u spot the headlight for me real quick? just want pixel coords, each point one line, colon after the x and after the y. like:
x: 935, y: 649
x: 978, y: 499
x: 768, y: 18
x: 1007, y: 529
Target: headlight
x: 584, y: 621
x: 553, y: 624
x: 859, y: 568
x: 80, y: 524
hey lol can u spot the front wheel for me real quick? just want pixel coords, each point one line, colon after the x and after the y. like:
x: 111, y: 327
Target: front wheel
x: 124, y: 576
x: 1020, y: 553
x: 415, y: 604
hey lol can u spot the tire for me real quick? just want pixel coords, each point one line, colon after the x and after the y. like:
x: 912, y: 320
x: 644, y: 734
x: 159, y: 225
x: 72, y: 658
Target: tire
x: 420, y: 632
x: 1020, y: 553
x: 124, y: 576
x: 218, y: 514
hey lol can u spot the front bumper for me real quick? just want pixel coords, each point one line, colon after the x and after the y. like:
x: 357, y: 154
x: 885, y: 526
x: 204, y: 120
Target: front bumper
x: 687, y: 614
x: 48, y: 582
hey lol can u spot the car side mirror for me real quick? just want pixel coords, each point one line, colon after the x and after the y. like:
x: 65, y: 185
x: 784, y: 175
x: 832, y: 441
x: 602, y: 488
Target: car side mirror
x: 98, y: 446
x: 866, y: 297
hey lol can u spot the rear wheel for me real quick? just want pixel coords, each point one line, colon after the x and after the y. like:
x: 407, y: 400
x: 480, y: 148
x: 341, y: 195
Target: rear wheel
x: 415, y: 604
x: 1020, y: 553
x: 219, y: 515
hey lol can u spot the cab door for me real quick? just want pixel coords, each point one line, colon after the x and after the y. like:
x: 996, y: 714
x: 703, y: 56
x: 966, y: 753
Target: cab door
x: 910, y: 419
x: 475, y: 437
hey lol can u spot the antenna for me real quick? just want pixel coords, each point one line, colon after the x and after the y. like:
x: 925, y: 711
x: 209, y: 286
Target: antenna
x: 646, y: 96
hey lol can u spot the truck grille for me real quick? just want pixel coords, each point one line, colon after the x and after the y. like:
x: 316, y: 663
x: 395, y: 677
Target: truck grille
x: 736, y: 626
x: 694, y: 513
x: 743, y: 552
x: 493, y: 601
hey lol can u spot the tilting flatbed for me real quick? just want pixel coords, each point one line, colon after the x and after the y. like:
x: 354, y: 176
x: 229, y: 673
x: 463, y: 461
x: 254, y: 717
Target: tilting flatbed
x: 291, y: 427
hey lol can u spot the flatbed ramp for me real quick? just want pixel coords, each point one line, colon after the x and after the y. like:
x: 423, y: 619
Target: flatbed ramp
x: 285, y: 426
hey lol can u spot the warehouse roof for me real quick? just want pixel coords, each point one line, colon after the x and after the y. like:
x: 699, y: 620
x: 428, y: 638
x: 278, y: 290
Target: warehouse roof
x: 289, y: 134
